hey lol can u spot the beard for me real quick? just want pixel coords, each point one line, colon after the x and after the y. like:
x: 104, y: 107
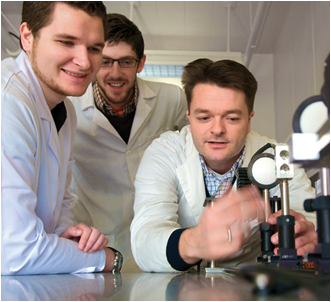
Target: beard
x: 48, y: 82
x: 113, y: 100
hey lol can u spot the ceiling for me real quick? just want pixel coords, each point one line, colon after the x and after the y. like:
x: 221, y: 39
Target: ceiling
x: 191, y: 25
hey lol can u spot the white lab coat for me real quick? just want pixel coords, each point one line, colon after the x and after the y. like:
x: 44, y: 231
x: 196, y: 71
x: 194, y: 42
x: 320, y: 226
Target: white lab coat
x: 170, y: 194
x: 36, y: 174
x: 105, y: 166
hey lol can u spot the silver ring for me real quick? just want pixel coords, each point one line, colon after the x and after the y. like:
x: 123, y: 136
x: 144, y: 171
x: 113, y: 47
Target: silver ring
x: 230, y: 235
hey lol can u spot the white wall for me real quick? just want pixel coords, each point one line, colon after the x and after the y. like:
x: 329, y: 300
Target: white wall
x: 299, y: 55
x: 175, y: 81
x: 8, y: 41
x: 263, y: 122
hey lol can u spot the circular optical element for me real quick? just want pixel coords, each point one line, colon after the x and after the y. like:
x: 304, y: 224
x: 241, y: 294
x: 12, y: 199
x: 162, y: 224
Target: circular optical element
x: 263, y: 171
x: 313, y: 117
x: 310, y: 116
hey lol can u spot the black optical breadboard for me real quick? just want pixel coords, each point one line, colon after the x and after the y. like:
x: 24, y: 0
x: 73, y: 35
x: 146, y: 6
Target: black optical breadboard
x: 242, y: 178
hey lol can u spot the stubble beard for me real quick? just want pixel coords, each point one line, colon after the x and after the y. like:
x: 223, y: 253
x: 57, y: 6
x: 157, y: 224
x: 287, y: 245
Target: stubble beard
x: 48, y: 82
x: 127, y: 97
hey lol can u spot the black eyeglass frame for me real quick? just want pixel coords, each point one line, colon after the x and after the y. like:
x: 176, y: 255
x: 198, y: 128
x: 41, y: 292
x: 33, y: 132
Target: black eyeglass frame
x: 119, y: 62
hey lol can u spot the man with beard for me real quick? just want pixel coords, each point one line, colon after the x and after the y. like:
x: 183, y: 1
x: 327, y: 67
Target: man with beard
x: 62, y: 43
x: 118, y: 118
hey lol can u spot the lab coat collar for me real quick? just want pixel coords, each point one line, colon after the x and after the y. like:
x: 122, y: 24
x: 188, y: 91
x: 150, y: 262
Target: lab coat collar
x: 144, y: 106
x: 144, y: 90
x: 24, y: 64
x: 87, y: 100
x: 43, y: 110
x: 191, y: 178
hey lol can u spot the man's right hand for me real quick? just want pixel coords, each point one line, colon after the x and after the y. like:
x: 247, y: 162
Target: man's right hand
x: 228, y: 218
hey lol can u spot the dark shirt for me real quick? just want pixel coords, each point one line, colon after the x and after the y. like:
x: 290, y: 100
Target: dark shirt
x: 59, y: 113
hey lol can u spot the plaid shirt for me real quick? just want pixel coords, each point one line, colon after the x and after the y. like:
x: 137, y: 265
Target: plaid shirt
x: 218, y: 184
x: 106, y: 109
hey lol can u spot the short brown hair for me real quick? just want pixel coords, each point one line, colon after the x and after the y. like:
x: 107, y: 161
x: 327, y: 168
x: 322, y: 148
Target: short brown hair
x: 224, y: 73
x: 38, y: 14
x: 120, y: 29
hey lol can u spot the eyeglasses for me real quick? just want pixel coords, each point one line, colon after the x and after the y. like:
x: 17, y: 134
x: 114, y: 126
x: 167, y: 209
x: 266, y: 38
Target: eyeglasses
x: 124, y: 63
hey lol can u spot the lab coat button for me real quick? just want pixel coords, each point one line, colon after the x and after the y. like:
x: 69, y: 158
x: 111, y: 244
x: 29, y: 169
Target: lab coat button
x: 128, y: 153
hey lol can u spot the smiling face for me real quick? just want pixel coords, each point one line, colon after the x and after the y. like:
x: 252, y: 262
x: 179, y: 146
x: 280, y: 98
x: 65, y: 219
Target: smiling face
x: 66, y: 54
x: 219, y: 123
x: 117, y: 83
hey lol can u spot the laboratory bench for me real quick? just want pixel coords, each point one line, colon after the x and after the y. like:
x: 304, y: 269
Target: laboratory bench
x: 247, y: 283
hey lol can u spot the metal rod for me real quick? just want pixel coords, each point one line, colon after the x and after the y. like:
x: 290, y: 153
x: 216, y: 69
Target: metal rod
x: 212, y: 262
x: 324, y: 175
x: 260, y: 16
x: 12, y: 26
x: 132, y: 4
x: 228, y: 34
x: 266, y: 196
x: 285, y: 197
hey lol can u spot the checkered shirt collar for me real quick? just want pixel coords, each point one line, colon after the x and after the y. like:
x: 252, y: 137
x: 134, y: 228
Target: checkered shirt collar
x: 106, y: 109
x: 218, y: 184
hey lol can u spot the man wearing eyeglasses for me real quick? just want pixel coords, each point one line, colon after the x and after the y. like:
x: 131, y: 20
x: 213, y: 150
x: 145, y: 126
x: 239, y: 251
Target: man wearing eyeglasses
x: 118, y: 117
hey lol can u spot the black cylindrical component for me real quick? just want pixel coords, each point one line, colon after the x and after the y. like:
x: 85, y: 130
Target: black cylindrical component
x: 321, y: 205
x: 323, y: 225
x: 285, y: 225
x: 309, y: 205
x: 267, y: 230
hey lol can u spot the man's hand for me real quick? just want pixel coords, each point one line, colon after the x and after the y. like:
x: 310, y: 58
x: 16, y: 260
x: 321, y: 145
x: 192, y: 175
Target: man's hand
x: 304, y: 230
x: 231, y: 214
x: 89, y: 239
x: 110, y: 257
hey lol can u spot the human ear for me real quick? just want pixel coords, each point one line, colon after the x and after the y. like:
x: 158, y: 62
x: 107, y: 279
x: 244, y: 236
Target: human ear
x: 249, y: 121
x: 26, y: 37
x: 141, y: 64
x: 189, y: 118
